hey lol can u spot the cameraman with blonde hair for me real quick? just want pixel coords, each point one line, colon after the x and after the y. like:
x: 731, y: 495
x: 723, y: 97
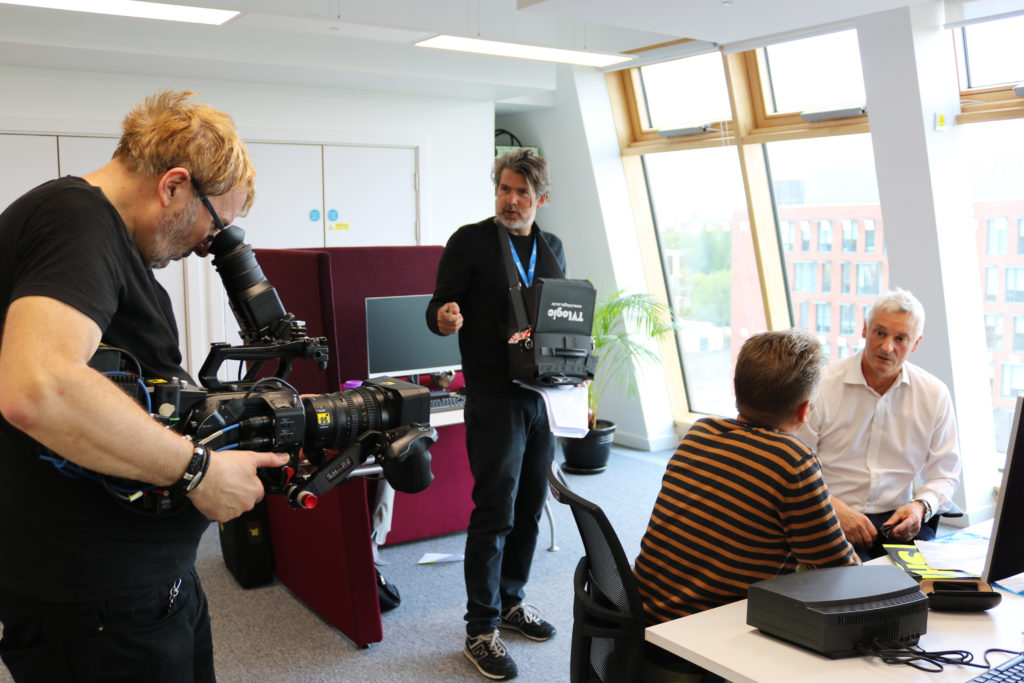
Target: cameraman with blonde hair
x: 90, y: 589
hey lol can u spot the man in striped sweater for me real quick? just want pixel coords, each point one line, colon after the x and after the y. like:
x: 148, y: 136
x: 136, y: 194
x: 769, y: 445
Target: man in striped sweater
x: 743, y: 499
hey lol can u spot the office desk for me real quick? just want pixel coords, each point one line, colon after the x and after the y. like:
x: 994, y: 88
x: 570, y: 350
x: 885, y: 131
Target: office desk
x: 720, y: 641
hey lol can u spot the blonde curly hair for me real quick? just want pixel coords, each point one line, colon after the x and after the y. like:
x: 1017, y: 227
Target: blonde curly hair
x: 166, y: 130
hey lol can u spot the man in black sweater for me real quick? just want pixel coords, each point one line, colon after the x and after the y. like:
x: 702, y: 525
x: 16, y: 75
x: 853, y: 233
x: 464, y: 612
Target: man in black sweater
x: 90, y: 588
x: 508, y: 438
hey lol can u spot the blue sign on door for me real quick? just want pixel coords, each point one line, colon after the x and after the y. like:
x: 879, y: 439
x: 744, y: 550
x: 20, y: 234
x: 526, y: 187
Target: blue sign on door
x: 332, y: 215
x: 314, y: 215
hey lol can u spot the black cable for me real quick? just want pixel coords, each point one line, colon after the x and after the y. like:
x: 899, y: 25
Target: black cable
x: 273, y: 380
x: 893, y: 652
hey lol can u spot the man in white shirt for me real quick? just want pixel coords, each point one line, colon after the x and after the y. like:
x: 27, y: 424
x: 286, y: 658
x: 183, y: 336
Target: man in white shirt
x: 885, y: 432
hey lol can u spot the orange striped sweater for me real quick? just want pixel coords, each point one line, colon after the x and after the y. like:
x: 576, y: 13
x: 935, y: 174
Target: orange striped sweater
x: 738, y: 504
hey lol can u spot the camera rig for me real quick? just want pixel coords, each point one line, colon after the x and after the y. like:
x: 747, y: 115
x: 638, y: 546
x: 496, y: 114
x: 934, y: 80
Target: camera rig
x: 381, y: 426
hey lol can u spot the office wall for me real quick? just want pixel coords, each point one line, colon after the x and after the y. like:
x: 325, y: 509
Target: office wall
x: 454, y: 137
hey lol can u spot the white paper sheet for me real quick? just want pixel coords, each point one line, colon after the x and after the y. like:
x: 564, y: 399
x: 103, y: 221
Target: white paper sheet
x: 567, y: 409
x: 439, y: 558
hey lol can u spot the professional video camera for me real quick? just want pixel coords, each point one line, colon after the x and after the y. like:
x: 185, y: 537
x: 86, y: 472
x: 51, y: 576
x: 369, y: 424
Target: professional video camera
x: 382, y: 425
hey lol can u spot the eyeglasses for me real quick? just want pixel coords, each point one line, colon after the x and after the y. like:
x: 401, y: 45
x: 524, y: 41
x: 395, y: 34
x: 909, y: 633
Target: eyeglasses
x: 217, y: 222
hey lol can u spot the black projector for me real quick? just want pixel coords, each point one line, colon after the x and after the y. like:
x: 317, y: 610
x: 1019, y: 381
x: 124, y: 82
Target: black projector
x: 833, y: 611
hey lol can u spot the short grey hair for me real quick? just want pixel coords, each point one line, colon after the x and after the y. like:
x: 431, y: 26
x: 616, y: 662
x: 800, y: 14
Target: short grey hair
x: 533, y: 167
x: 899, y: 301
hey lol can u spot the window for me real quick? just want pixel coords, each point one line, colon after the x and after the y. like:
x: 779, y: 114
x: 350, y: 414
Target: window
x: 824, y: 236
x: 1015, y: 284
x: 786, y: 235
x: 847, y: 319
x: 802, y: 314
x: 707, y: 254
x: 869, y: 279
x: 822, y: 191
x: 994, y: 331
x: 821, y: 72
x: 849, y: 237
x: 804, y: 277
x: 993, y: 150
x: 991, y: 283
x: 822, y: 318
x: 670, y: 106
x: 869, y: 236
x: 996, y: 245
x: 1018, y: 332
x: 829, y: 191
x: 994, y: 49
x: 1013, y: 380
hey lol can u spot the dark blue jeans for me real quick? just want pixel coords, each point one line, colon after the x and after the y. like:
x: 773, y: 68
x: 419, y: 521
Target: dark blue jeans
x: 125, y: 639
x: 510, y: 446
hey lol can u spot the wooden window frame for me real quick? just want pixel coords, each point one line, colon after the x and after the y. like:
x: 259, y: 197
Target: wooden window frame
x: 750, y: 127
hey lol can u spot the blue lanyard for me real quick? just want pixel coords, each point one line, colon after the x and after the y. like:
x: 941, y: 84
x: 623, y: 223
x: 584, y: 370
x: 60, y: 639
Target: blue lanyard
x: 527, y: 277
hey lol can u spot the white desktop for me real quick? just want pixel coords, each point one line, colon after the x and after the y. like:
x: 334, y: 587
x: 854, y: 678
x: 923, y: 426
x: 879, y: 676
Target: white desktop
x: 721, y: 641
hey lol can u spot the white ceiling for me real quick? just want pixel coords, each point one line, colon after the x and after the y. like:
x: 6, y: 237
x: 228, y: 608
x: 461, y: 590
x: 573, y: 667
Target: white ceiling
x: 367, y: 44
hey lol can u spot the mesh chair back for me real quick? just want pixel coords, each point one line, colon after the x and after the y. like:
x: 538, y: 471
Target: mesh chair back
x: 608, y: 619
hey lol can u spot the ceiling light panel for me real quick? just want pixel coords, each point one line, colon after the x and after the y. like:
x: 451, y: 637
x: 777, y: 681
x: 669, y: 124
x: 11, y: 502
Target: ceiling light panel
x: 522, y: 51
x: 136, y: 9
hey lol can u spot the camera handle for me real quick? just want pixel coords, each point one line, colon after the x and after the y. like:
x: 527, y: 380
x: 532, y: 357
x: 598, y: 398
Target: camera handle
x: 313, y: 348
x: 372, y: 452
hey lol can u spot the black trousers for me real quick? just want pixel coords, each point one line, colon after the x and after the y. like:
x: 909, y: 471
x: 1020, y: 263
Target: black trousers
x: 139, y: 637
x: 510, y: 446
x: 878, y: 519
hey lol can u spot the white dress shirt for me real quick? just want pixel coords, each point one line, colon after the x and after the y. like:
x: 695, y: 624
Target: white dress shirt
x: 873, y: 447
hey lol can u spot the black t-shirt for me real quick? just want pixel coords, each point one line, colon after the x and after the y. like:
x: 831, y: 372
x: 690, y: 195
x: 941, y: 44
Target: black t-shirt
x: 64, y: 538
x: 472, y: 273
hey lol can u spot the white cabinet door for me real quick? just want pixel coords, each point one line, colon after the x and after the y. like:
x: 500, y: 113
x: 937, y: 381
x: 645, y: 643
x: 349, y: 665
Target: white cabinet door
x: 81, y: 155
x: 288, y: 211
x: 28, y: 160
x: 370, y: 196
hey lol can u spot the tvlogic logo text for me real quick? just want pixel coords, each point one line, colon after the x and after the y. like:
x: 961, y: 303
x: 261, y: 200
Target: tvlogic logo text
x: 566, y: 311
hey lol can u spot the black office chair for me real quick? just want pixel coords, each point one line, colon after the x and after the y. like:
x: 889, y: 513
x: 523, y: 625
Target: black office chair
x: 608, y: 615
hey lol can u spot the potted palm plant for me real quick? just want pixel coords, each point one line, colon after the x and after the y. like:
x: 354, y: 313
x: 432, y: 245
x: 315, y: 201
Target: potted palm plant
x: 623, y: 323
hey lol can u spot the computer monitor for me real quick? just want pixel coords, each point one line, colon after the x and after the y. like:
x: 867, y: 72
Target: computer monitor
x: 1005, y: 550
x: 398, y: 342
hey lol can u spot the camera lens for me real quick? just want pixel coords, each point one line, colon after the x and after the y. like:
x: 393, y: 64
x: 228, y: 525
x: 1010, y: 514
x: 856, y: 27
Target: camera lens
x: 335, y: 420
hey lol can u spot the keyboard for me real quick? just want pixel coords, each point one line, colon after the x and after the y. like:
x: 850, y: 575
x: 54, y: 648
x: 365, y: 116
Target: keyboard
x: 1010, y: 671
x: 446, y: 400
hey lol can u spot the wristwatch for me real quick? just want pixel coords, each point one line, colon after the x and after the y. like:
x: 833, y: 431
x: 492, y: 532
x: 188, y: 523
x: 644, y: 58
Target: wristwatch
x: 927, y: 508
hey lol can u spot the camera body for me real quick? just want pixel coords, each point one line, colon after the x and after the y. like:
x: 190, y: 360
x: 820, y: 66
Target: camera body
x: 329, y: 437
x: 381, y: 426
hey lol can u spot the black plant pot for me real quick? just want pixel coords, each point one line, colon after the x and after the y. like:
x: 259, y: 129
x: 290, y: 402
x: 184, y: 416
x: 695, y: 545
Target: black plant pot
x: 589, y: 455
